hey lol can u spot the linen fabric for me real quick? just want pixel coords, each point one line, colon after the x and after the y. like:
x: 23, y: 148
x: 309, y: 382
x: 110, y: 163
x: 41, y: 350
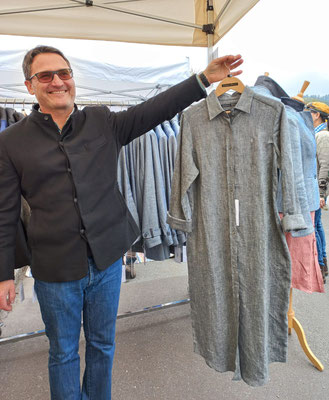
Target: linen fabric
x: 224, y: 195
x: 70, y: 183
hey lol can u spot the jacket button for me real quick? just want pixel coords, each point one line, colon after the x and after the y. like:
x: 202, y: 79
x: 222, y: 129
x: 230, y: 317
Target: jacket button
x: 82, y: 231
x: 75, y: 200
x: 69, y: 170
x: 46, y: 117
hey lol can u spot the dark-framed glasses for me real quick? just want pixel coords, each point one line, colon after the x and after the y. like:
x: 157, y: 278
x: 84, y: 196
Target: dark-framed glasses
x: 47, y: 76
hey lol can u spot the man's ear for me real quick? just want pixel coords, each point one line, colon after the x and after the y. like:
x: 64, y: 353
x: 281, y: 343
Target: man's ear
x: 28, y: 84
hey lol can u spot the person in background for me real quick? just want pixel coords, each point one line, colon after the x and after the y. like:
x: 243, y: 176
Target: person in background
x: 64, y: 163
x: 320, y: 114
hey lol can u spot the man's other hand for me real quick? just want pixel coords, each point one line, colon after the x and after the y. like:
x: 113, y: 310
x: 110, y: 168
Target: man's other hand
x: 7, y: 295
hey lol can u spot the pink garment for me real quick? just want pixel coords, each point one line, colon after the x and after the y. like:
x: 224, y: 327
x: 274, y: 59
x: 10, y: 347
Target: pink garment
x: 305, y: 269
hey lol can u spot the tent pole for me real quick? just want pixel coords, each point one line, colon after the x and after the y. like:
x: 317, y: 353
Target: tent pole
x: 210, y: 37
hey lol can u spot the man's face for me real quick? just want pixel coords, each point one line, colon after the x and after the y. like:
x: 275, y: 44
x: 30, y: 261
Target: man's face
x: 54, y: 96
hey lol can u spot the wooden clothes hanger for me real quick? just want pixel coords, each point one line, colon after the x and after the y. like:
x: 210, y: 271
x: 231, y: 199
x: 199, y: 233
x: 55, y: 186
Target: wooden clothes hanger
x: 229, y: 83
x: 300, y: 95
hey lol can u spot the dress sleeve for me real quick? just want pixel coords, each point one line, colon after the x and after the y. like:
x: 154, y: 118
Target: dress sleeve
x: 185, y: 173
x: 292, y: 217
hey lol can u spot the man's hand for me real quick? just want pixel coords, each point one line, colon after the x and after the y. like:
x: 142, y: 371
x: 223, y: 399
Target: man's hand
x: 219, y: 68
x: 7, y: 295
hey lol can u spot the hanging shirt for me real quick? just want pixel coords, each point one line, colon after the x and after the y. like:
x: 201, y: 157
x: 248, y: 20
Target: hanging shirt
x: 224, y: 196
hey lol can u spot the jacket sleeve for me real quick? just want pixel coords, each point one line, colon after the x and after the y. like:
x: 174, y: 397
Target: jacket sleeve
x: 322, y: 155
x: 297, y: 163
x: 140, y: 119
x: 186, y: 171
x: 10, y: 206
x: 292, y: 218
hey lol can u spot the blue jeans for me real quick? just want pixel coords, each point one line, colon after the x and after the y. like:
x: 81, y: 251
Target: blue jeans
x: 320, y: 237
x: 96, y: 298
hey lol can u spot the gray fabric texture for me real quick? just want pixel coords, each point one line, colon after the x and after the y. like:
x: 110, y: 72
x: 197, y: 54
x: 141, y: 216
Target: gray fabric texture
x: 239, y: 276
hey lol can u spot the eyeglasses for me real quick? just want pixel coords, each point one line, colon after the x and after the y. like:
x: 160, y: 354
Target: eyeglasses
x: 47, y: 76
x: 310, y: 108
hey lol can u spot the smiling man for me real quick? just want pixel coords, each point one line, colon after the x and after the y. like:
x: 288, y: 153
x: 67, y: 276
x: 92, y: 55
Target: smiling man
x: 63, y: 161
x: 49, y: 78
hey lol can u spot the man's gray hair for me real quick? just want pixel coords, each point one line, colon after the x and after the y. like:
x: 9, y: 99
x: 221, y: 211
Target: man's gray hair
x: 29, y: 57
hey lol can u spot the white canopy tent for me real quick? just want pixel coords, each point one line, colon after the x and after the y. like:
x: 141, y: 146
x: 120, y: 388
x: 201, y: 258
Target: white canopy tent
x: 96, y: 82
x: 168, y: 22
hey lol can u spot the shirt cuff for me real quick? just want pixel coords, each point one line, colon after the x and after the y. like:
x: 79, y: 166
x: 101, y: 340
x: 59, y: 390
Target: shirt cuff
x: 181, y: 224
x: 293, y: 222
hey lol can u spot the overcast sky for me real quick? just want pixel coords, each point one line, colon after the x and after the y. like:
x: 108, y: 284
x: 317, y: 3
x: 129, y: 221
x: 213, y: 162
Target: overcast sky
x: 287, y: 38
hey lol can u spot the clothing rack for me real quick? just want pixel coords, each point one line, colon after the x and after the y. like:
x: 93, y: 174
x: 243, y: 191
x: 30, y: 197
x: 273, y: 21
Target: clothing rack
x: 10, y: 101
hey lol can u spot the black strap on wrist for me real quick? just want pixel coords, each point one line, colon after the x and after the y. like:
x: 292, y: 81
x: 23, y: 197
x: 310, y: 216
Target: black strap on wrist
x: 204, y: 80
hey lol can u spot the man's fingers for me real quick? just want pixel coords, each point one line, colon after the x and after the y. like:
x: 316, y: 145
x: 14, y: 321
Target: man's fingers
x: 7, y: 295
x: 12, y: 294
x: 236, y: 63
x: 235, y: 73
x: 5, y: 304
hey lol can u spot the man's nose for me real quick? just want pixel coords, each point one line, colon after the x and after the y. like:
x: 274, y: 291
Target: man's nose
x: 57, y: 80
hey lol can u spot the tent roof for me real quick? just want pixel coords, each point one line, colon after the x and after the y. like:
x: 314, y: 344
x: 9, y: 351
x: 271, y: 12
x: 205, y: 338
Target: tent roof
x: 167, y: 22
x: 97, y: 82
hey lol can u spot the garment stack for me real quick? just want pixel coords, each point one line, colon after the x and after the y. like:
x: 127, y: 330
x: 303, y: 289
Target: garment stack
x: 145, y: 171
x: 8, y: 116
x: 236, y: 169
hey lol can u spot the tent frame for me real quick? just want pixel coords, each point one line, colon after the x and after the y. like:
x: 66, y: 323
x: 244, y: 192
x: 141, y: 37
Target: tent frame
x: 208, y: 28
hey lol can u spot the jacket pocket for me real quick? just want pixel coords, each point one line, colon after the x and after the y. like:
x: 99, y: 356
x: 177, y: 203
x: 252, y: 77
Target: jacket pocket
x: 95, y: 143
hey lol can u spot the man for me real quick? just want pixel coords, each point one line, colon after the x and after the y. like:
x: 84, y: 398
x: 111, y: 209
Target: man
x: 64, y: 163
x: 320, y: 114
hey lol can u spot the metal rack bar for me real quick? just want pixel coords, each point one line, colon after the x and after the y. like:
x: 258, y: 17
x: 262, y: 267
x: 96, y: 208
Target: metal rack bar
x: 14, y: 101
x: 31, y: 335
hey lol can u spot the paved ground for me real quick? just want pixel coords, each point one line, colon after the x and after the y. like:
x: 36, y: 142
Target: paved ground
x: 154, y: 357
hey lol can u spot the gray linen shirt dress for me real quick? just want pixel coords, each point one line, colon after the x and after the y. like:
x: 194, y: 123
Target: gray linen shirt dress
x: 224, y: 195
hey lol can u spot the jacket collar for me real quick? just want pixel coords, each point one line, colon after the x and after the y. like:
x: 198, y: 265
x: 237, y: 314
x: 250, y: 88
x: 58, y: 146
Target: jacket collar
x: 37, y: 115
x: 239, y: 101
x: 275, y: 89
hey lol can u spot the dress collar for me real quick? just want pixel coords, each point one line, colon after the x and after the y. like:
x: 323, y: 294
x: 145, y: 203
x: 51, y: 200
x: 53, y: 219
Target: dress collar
x: 239, y: 101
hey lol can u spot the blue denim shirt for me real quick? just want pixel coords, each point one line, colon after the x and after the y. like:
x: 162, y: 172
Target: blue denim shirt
x: 303, y: 153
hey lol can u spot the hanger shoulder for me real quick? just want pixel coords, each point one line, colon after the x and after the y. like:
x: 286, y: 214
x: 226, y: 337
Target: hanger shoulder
x: 229, y: 83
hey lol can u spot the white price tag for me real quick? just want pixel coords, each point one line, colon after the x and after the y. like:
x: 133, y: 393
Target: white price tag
x: 237, y: 213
